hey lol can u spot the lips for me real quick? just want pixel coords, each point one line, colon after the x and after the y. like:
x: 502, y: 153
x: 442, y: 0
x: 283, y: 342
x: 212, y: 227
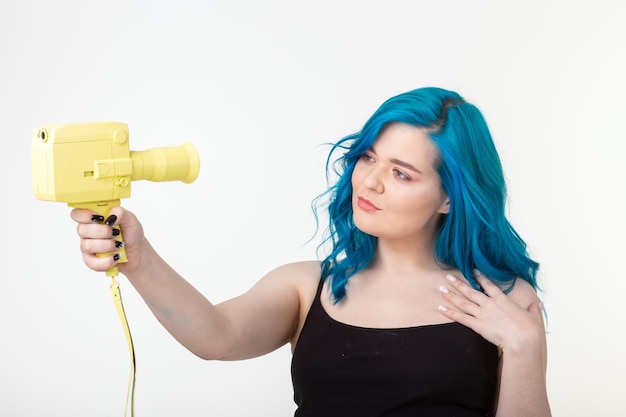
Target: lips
x: 366, y: 205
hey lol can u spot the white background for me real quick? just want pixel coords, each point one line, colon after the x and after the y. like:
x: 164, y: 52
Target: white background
x: 257, y: 86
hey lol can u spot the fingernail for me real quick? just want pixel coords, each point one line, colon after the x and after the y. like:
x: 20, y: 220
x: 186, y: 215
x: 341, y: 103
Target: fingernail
x: 451, y: 278
x: 110, y: 221
x: 96, y: 218
x: 116, y: 232
x: 116, y: 257
x: 443, y: 289
x: 119, y: 244
x: 476, y: 272
x: 443, y: 308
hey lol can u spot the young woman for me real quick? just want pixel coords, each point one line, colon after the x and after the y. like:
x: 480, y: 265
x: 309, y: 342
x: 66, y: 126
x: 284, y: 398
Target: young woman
x: 396, y: 320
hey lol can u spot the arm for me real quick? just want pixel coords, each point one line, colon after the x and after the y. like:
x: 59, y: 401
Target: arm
x: 514, y: 323
x: 252, y: 324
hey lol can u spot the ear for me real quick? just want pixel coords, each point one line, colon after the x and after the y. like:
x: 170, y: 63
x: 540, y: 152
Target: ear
x: 444, y: 208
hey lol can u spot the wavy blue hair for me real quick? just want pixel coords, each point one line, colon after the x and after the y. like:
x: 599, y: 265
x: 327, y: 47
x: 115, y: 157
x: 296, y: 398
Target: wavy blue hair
x: 475, y: 234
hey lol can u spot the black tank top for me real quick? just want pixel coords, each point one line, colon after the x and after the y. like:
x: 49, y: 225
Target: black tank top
x: 440, y: 370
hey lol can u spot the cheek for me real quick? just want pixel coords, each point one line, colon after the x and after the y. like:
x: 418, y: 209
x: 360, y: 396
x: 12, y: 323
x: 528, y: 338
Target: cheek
x: 418, y: 205
x: 357, y: 174
x: 354, y: 178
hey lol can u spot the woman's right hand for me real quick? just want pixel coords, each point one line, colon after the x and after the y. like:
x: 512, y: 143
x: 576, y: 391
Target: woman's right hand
x: 96, y: 236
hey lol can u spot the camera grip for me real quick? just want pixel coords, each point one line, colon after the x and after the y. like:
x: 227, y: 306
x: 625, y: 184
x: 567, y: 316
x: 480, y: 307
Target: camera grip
x: 103, y: 208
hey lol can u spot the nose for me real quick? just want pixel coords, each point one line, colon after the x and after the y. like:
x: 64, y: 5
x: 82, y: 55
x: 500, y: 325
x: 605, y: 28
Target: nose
x: 373, y: 180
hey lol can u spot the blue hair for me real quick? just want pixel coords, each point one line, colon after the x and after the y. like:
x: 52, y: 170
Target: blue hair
x: 475, y: 234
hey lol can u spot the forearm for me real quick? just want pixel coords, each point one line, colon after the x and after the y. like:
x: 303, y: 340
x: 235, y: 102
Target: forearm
x: 184, y: 312
x: 523, y: 390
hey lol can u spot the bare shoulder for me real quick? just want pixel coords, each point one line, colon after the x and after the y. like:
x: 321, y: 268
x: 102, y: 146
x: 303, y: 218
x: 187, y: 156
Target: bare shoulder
x: 269, y: 314
x: 303, y: 278
x: 298, y: 268
x: 300, y: 277
x: 285, y: 284
x: 523, y: 294
x: 302, y: 273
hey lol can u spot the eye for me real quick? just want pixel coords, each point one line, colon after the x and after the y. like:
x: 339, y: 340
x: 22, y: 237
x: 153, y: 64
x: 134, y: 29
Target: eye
x: 401, y: 175
x: 366, y: 157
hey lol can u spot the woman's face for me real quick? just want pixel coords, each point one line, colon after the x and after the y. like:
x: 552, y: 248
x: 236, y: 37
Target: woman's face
x: 397, y: 192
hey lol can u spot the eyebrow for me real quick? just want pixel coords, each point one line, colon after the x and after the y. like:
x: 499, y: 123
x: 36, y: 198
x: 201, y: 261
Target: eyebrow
x: 406, y: 165
x: 400, y: 162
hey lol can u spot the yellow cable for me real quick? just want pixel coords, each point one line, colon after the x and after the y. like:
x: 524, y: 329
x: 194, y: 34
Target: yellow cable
x: 117, y: 299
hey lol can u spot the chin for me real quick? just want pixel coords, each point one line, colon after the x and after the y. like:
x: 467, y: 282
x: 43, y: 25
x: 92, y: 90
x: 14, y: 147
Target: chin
x: 371, y: 227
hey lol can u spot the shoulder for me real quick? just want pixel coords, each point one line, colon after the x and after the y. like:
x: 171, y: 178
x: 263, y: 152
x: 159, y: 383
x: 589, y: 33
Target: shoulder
x: 301, y: 277
x: 300, y: 272
x: 523, y: 294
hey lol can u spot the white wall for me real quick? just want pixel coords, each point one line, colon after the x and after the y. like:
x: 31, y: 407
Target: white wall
x: 257, y: 86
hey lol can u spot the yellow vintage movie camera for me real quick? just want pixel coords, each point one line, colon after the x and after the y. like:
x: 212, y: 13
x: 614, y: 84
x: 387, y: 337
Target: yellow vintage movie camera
x: 90, y: 165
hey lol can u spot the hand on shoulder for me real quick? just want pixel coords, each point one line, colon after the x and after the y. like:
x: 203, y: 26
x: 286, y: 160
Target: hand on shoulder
x: 512, y: 321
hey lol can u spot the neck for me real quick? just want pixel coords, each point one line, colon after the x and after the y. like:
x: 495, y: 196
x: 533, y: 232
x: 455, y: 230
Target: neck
x: 404, y: 258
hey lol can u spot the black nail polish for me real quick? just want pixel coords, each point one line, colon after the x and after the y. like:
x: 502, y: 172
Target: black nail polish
x: 119, y: 244
x: 96, y: 218
x: 116, y: 232
x: 110, y: 221
x: 116, y: 257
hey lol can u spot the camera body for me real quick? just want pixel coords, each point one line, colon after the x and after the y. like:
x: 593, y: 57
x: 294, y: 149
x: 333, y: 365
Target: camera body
x: 92, y: 162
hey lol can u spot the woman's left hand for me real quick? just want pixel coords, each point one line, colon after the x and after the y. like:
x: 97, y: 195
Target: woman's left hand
x: 512, y: 322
